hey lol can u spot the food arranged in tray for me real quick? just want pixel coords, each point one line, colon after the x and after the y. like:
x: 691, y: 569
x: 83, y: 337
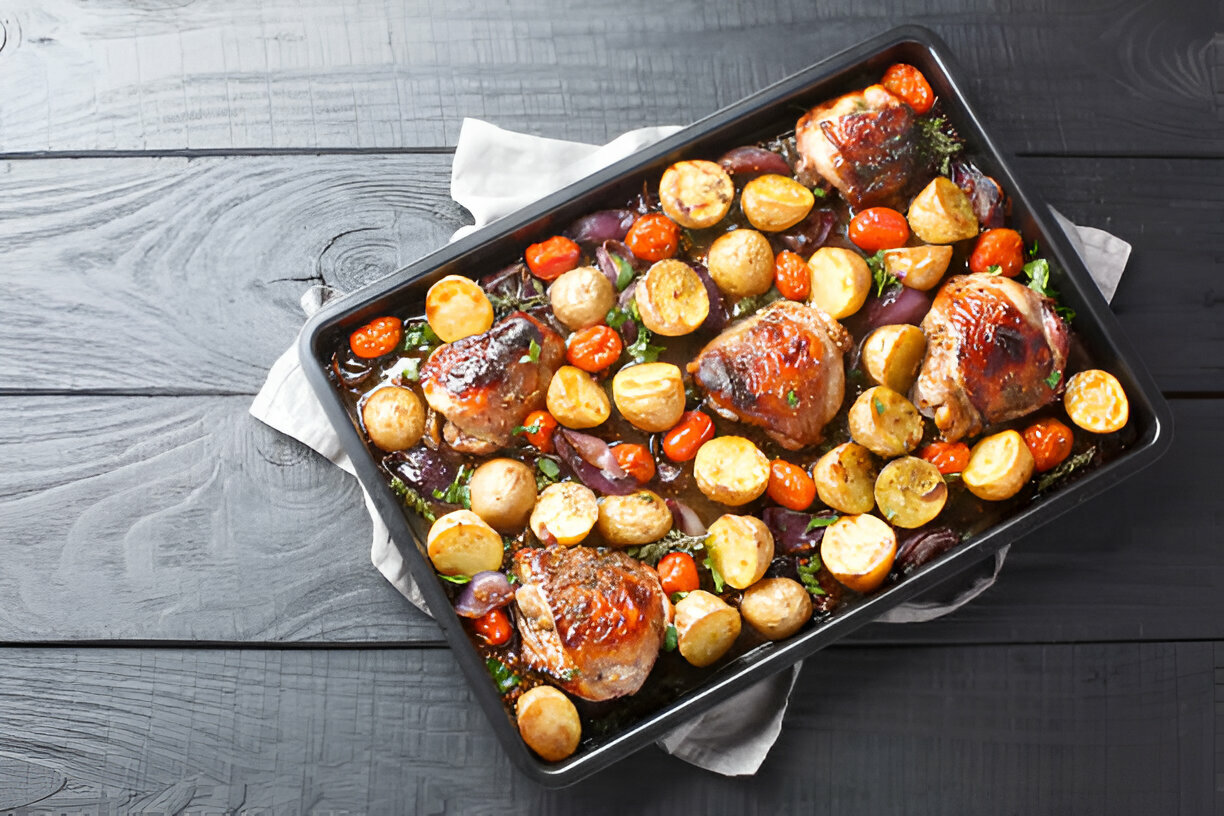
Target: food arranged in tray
x: 772, y: 383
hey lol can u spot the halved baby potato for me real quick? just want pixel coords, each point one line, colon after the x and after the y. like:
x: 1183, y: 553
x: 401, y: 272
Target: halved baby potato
x: 576, y: 400
x: 581, y: 297
x: 776, y: 607
x: 548, y: 722
x: 841, y: 281
x: 503, y: 493
x: 845, y: 478
x: 706, y: 627
x: 731, y: 470
x: 773, y: 203
x: 462, y: 543
x: 859, y: 551
x: 565, y: 511
x: 920, y: 267
x: 740, y: 548
x: 999, y: 465
x: 893, y: 354
x: 696, y: 194
x: 671, y: 299
x: 632, y: 520
x: 741, y: 262
x: 394, y: 418
x: 885, y: 423
x: 910, y: 492
x: 456, y: 307
x: 1096, y: 402
x: 650, y: 395
x: 942, y: 213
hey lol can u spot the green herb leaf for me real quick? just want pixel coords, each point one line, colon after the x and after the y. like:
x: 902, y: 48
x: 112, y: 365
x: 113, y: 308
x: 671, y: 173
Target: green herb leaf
x: 412, y: 369
x: 708, y: 563
x: 567, y: 674
x: 533, y: 353
x: 676, y: 597
x: 819, y: 192
x: 807, y: 575
x: 533, y: 428
x: 754, y: 304
x: 792, y: 399
x: 624, y: 271
x: 1053, y: 379
x: 418, y: 335
x: 616, y: 317
x: 455, y: 579
x: 938, y: 141
x: 994, y: 269
x: 641, y: 349
x: 503, y: 304
x: 674, y: 541
x: 1065, y: 312
x: 1033, y: 250
x: 820, y: 521
x: 548, y: 472
x: 670, y: 639
x: 949, y: 478
x: 501, y: 674
x: 879, y: 406
x: 884, y: 281
x: 1038, y: 272
x: 1065, y: 469
x: 411, y: 498
x: 457, y: 492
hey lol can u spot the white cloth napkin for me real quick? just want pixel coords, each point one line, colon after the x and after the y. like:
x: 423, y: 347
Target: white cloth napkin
x: 494, y: 173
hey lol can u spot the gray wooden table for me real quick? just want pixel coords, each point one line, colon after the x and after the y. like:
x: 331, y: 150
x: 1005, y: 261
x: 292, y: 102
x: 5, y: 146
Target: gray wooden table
x: 189, y: 616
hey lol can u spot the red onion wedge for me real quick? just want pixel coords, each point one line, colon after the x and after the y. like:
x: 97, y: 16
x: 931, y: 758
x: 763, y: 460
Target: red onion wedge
x: 747, y: 163
x: 717, y: 318
x: 809, y: 234
x: 685, y: 518
x: 591, y: 460
x: 985, y: 194
x: 485, y: 592
x: 605, y: 225
x: 900, y: 304
x: 790, y: 529
x: 917, y: 547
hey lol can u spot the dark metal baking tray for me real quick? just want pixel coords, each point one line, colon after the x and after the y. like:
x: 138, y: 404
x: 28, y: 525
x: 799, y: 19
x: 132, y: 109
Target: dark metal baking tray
x: 762, y: 115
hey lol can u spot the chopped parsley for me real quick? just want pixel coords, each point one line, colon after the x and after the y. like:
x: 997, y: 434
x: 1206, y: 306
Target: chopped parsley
x: 674, y: 541
x: 792, y: 399
x: 808, y: 569
x: 624, y: 271
x: 617, y: 316
x: 1038, y: 273
x: 456, y: 579
x: 708, y: 563
x: 884, y: 280
x: 820, y: 521
x: 1065, y: 469
x: 412, y: 499
x: 1053, y: 379
x: 457, y: 492
x: 501, y: 674
x: 418, y: 335
x: 641, y: 350
x: 670, y: 639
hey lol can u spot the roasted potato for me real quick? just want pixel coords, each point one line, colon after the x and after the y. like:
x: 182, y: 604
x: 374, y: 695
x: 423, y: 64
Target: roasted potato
x: 859, y: 551
x: 841, y: 281
x: 942, y: 213
x: 582, y: 297
x: 671, y: 299
x: 845, y: 478
x: 503, y: 493
x: 394, y: 418
x: 740, y: 548
x: 1096, y: 402
x: 696, y: 194
x: 776, y: 607
x: 741, y: 262
x: 565, y: 511
x: 548, y: 722
x: 731, y: 470
x: 910, y: 492
x: 885, y: 423
x: 575, y: 400
x: 462, y: 543
x: 999, y: 465
x: 632, y: 520
x: 457, y: 307
x: 706, y: 627
x: 649, y: 395
x: 920, y: 267
x: 892, y: 356
x: 773, y: 203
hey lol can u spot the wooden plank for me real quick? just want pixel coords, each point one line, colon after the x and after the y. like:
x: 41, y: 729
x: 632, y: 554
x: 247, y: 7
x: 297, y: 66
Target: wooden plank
x: 183, y: 519
x: 201, y: 262
x: 1088, y: 729
x: 312, y: 74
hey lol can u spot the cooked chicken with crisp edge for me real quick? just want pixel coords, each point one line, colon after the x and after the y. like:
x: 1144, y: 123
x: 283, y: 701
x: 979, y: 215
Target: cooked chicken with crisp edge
x: 781, y: 370
x: 487, y: 383
x: 594, y: 621
x: 866, y: 144
x: 996, y: 350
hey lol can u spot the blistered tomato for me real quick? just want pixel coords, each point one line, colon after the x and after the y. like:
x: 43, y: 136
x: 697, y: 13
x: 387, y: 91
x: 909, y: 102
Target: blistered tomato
x: 792, y: 275
x: 790, y: 485
x: 376, y: 338
x: 949, y: 457
x: 908, y: 83
x: 694, y: 429
x: 878, y: 228
x: 1050, y: 443
x: 635, y: 460
x: 493, y: 627
x: 653, y: 237
x: 594, y: 349
x: 549, y: 260
x: 538, y: 429
x: 998, y: 252
x: 678, y: 573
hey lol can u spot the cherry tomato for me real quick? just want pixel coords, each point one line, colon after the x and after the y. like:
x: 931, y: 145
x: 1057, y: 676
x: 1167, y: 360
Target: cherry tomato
x: 1002, y: 248
x: 790, y: 485
x: 949, y: 457
x: 878, y: 228
x: 542, y: 438
x: 907, y: 82
x: 678, y: 573
x: 549, y: 260
x: 493, y: 627
x: 792, y: 275
x: 1050, y: 443
x: 635, y: 460
x: 694, y: 429
x: 594, y: 349
x: 378, y: 337
x: 653, y: 237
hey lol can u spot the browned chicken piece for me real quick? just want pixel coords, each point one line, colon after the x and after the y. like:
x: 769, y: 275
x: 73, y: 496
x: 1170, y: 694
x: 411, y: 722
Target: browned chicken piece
x: 866, y: 144
x: 593, y: 621
x: 996, y: 350
x: 486, y: 384
x: 780, y: 369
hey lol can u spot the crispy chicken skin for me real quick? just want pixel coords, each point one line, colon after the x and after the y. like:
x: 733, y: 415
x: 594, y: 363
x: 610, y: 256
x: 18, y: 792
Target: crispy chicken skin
x: 993, y: 346
x: 486, y: 384
x: 593, y: 620
x: 780, y: 369
x: 866, y: 145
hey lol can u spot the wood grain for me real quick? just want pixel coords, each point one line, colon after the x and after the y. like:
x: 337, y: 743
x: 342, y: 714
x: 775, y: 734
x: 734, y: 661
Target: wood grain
x: 1085, y: 729
x: 183, y: 519
x: 312, y: 74
x: 173, y: 275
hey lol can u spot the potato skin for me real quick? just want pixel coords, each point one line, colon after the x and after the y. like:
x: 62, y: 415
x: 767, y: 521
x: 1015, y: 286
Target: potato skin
x: 885, y: 423
x: 741, y: 262
x: 696, y: 194
x: 921, y: 267
x: 731, y: 470
x: 845, y: 478
x: 503, y: 493
x: 394, y: 418
x: 999, y: 466
x: 671, y: 299
x: 706, y: 627
x: 650, y: 395
x: 841, y: 281
x: 859, y: 551
x: 462, y: 543
x: 776, y: 607
x: 942, y: 214
x: 910, y: 492
x: 893, y: 354
x: 632, y: 520
x: 456, y: 307
x: 548, y: 722
x: 582, y: 297
x: 740, y: 548
x: 576, y: 400
x: 773, y: 203
x: 567, y: 510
